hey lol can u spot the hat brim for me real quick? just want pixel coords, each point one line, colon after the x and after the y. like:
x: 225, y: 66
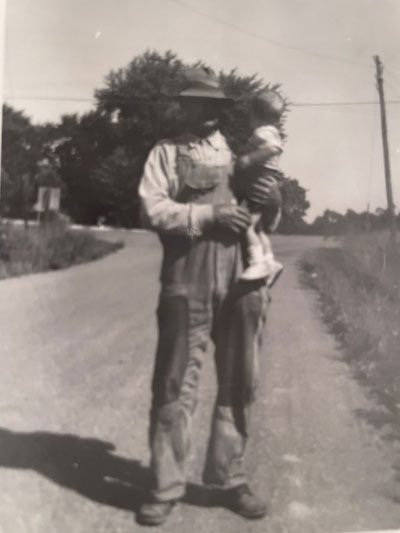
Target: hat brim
x: 201, y: 93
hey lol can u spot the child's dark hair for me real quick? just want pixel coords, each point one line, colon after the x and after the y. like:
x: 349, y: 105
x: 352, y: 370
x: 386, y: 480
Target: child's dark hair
x: 267, y: 105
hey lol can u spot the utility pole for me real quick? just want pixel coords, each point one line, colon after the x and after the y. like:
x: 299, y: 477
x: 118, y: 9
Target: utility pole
x: 2, y: 53
x: 388, y: 178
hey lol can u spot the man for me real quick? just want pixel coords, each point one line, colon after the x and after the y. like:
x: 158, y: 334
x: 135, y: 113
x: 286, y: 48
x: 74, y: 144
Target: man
x: 186, y: 198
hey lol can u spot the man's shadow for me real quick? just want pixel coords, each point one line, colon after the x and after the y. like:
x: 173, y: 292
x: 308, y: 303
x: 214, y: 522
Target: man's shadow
x: 89, y: 467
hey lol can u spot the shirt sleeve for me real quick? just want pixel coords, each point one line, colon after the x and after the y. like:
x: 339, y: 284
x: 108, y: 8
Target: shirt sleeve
x: 270, y: 137
x: 159, y: 211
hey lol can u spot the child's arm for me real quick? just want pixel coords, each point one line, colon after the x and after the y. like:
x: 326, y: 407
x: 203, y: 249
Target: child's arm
x: 256, y: 157
x: 266, y: 143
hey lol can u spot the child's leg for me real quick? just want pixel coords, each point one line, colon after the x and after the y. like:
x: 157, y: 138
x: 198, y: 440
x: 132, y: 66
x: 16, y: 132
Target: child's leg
x: 257, y: 266
x: 265, y: 241
x: 252, y: 234
x: 275, y: 267
x: 255, y: 252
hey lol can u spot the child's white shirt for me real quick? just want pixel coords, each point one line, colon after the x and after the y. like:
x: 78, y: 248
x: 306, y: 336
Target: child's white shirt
x: 269, y: 137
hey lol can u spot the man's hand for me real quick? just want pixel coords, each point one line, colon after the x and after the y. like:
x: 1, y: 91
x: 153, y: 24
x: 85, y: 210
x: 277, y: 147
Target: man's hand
x: 232, y: 217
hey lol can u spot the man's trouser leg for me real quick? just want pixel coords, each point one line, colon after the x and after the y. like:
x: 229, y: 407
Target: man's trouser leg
x: 238, y: 330
x: 184, y: 325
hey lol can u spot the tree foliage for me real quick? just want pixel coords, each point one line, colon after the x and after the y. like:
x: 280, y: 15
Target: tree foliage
x: 100, y: 154
x: 21, y: 152
x: 295, y: 206
x: 28, y: 161
x: 331, y: 223
x: 82, y: 143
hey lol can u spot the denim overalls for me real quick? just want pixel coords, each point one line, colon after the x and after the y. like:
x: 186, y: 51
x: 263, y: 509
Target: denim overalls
x: 201, y: 299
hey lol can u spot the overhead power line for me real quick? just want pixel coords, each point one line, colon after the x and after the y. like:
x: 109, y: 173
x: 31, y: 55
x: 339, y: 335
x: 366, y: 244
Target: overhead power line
x: 395, y: 91
x: 393, y: 70
x: 52, y: 98
x: 331, y: 104
x: 144, y: 100
x: 267, y: 40
x: 393, y: 77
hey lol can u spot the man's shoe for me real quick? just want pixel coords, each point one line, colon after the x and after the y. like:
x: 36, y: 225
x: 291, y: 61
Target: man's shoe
x: 243, y: 502
x: 154, y: 513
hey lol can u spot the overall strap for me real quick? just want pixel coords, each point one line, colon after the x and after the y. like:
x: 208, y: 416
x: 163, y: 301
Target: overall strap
x: 198, y: 175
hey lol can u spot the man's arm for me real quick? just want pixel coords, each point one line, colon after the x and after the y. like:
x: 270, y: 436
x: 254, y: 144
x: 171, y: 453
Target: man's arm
x: 161, y: 213
x: 158, y: 210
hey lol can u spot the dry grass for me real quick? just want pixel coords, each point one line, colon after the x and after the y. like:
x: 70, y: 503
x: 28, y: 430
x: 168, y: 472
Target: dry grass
x: 358, y: 283
x: 51, y: 247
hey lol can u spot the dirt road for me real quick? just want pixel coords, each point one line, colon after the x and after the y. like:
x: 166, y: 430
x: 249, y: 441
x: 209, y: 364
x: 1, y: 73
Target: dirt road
x: 76, y: 360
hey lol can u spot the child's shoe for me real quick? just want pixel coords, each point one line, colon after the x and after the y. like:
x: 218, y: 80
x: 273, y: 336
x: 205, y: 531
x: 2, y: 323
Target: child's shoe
x: 257, y: 270
x: 277, y: 269
x: 259, y: 267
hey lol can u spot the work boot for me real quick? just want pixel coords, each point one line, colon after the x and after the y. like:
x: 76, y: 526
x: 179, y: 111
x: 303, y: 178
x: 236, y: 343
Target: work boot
x: 242, y: 501
x: 154, y: 513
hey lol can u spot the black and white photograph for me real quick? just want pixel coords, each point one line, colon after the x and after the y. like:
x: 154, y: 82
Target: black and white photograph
x: 200, y: 266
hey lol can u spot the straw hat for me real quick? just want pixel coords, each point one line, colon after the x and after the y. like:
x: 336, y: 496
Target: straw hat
x: 202, y: 83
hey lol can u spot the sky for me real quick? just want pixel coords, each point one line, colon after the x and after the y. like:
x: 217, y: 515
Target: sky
x: 57, y: 52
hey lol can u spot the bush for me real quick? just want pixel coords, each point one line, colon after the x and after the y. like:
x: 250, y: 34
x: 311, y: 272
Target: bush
x: 48, y: 247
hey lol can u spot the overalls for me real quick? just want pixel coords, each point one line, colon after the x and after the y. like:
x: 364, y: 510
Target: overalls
x: 202, y: 299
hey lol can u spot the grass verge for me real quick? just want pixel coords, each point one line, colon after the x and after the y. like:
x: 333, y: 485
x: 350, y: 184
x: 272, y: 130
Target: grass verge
x: 358, y: 284
x: 50, y: 247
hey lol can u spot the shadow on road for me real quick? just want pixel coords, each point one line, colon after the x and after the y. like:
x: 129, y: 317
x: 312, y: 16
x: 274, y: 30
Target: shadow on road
x: 88, y: 467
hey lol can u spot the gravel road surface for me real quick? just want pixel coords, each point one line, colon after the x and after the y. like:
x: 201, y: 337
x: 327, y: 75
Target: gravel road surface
x: 76, y: 358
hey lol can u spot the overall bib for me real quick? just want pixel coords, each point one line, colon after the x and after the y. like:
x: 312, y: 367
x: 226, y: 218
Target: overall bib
x: 201, y: 299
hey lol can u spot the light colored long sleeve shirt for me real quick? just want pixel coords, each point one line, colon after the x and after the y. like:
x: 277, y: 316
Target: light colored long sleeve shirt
x: 269, y: 137
x: 160, y: 185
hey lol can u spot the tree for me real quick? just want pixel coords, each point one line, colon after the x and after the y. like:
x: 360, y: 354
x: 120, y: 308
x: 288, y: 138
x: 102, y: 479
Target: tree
x: 139, y: 98
x: 81, y: 144
x: 115, y: 187
x: 295, y: 206
x: 331, y: 223
x: 100, y: 155
x: 21, y: 151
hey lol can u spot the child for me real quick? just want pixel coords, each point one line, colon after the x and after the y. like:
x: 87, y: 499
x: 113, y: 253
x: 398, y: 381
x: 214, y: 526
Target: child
x: 260, y: 181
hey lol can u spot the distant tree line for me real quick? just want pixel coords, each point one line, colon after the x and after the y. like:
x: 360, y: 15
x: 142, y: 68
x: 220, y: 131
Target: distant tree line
x: 331, y: 223
x: 97, y: 158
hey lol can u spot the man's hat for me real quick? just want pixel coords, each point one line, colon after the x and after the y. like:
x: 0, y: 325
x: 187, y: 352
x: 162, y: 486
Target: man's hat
x: 202, y: 83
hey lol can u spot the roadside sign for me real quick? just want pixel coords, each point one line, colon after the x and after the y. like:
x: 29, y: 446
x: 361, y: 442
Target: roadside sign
x: 48, y: 199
